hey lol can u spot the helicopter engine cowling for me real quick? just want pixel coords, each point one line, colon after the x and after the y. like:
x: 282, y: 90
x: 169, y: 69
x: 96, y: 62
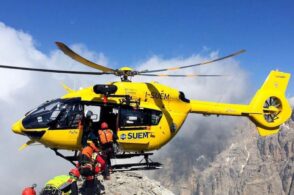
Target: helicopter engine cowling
x: 105, y: 89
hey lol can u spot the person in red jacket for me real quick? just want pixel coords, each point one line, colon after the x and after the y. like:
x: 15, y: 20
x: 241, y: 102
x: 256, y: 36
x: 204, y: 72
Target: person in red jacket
x: 90, y: 164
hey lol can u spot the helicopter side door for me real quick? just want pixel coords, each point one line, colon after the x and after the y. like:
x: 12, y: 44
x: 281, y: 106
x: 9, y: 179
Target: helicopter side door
x: 102, y: 113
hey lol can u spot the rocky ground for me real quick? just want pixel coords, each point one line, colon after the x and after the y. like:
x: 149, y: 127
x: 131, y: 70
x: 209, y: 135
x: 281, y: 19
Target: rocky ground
x: 130, y: 183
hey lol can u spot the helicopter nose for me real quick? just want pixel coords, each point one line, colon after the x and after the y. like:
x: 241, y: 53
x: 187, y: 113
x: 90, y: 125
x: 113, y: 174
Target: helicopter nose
x: 17, y: 127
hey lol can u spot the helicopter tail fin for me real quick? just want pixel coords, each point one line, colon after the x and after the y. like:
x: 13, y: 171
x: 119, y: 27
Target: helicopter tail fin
x: 269, y: 107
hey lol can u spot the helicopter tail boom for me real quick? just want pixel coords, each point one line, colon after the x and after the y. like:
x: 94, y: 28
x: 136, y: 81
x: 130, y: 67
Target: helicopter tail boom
x: 268, y: 109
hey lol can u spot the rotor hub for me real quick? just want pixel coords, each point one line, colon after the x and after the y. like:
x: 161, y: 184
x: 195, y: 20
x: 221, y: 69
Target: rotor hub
x: 125, y: 73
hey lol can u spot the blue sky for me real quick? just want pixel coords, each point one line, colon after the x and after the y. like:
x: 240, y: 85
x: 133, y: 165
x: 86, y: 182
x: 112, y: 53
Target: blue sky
x: 130, y: 31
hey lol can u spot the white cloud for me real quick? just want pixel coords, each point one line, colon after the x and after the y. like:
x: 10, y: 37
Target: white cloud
x: 291, y: 100
x: 22, y: 91
x: 231, y: 87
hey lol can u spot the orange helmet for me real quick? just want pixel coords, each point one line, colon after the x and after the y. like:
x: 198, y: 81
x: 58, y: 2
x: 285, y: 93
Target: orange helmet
x: 104, y: 125
x: 75, y: 172
x: 29, y: 191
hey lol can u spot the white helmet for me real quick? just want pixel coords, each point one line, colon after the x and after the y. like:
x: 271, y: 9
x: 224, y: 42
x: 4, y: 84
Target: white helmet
x: 88, y: 113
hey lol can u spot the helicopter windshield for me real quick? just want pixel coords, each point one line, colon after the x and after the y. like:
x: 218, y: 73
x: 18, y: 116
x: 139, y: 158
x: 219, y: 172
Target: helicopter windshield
x: 60, y: 114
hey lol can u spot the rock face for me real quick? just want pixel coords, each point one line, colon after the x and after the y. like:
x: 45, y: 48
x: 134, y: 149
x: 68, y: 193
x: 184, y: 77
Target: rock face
x: 250, y: 164
x: 130, y: 183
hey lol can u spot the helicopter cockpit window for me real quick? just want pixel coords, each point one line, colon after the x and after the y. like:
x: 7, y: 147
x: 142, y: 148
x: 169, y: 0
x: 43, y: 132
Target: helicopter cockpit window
x: 68, y: 117
x: 54, y: 114
x: 40, y: 117
x: 139, y: 117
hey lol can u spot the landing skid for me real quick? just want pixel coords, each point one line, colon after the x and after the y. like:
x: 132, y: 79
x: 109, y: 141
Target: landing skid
x: 147, y: 165
x: 136, y: 167
x: 130, y: 155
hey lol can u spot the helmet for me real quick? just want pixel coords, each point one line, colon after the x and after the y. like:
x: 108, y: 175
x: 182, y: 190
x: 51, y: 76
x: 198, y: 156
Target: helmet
x: 29, y: 191
x: 74, y: 172
x: 104, y: 125
x: 88, y: 113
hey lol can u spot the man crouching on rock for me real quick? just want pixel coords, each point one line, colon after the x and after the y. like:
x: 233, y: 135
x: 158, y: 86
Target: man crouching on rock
x: 90, y: 164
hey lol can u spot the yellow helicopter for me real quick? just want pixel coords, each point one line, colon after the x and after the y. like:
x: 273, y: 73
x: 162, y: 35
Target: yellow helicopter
x: 144, y: 116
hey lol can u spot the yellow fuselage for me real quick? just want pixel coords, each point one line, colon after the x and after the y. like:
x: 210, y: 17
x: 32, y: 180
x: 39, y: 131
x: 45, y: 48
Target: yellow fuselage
x: 174, y: 108
x: 151, y: 95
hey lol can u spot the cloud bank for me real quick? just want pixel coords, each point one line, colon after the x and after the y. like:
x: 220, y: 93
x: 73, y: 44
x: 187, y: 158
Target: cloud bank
x: 292, y: 101
x: 22, y: 91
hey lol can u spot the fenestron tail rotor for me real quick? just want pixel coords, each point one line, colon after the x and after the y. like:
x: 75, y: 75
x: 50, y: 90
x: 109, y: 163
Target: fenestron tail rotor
x: 272, y: 108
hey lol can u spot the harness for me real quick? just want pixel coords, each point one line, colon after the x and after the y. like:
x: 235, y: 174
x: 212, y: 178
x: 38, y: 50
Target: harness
x: 105, y: 136
x: 90, y: 168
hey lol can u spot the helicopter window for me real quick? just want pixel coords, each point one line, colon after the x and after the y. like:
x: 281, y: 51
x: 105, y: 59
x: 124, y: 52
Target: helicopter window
x: 155, y: 117
x: 139, y: 117
x: 95, y: 110
x: 40, y: 117
x: 68, y: 117
x: 57, y: 113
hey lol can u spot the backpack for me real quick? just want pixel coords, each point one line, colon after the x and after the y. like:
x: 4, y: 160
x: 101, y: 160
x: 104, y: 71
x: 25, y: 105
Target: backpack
x: 57, y: 186
x: 105, y: 136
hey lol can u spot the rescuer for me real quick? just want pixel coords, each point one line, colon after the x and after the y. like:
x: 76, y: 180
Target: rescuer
x: 90, y: 164
x: 63, y: 184
x: 105, y: 138
x: 86, y: 126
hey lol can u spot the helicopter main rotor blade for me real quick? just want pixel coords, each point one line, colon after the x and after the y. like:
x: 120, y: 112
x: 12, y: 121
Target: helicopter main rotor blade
x: 66, y: 50
x: 53, y: 71
x: 181, y: 75
x: 192, y: 65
